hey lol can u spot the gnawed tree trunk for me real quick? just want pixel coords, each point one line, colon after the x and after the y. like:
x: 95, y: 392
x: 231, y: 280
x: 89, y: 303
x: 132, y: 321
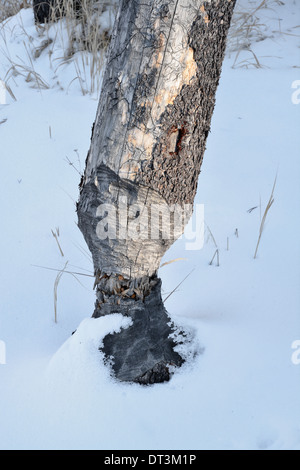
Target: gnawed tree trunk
x: 147, y: 147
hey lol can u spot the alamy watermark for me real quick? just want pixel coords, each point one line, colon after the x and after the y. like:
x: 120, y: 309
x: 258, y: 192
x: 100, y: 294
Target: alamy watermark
x: 296, y: 353
x: 2, y: 353
x: 296, y: 93
x: 2, y: 93
x: 138, y: 222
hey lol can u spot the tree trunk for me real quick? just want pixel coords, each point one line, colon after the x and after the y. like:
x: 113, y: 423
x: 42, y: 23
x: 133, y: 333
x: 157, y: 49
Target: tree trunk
x: 147, y: 146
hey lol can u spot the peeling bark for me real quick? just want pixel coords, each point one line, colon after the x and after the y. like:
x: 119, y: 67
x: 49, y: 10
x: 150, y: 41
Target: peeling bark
x: 147, y: 147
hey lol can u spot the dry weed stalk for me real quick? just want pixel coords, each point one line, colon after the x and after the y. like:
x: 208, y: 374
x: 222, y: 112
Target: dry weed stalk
x: 56, y: 283
x: 263, y: 221
x: 248, y: 27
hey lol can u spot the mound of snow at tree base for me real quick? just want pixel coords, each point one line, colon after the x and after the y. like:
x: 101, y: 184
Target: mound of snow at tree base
x: 243, y: 391
x: 79, y: 357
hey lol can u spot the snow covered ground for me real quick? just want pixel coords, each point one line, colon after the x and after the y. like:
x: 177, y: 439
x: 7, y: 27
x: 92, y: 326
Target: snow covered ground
x: 242, y: 391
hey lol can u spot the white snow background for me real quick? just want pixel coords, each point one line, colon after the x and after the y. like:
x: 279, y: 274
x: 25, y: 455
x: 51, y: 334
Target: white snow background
x: 243, y: 390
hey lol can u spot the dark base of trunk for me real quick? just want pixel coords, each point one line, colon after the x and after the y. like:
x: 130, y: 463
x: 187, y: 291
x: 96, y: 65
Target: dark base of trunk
x: 144, y: 352
x: 158, y: 374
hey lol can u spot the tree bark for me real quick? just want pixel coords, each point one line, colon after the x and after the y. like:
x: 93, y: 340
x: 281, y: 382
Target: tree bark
x: 147, y: 147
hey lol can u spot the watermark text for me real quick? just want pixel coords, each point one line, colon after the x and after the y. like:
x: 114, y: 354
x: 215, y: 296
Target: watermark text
x: 296, y: 353
x: 296, y: 94
x: 157, y: 222
x: 2, y: 353
x: 2, y: 93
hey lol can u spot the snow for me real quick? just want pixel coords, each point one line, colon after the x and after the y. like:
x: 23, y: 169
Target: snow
x: 77, y: 352
x: 242, y: 391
